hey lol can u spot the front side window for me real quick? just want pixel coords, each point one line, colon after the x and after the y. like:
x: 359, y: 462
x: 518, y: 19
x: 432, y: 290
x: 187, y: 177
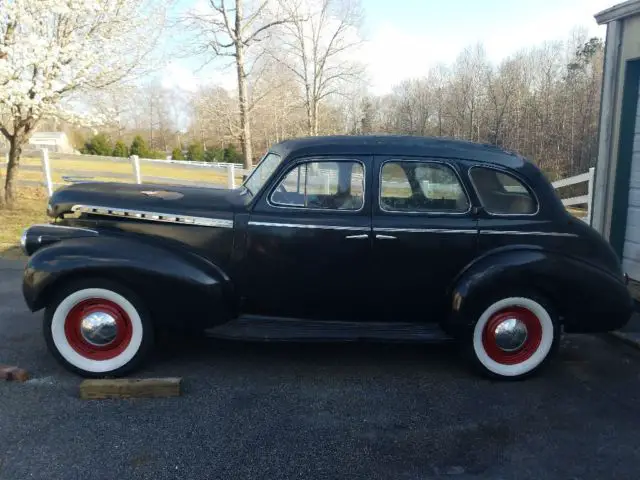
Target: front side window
x: 262, y: 173
x: 421, y: 187
x: 322, y: 185
x: 501, y: 193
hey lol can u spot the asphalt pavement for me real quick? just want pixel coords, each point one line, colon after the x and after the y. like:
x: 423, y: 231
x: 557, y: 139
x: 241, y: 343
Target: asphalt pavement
x: 357, y: 411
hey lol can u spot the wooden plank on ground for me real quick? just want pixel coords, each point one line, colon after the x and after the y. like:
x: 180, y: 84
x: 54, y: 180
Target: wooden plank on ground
x: 130, y: 388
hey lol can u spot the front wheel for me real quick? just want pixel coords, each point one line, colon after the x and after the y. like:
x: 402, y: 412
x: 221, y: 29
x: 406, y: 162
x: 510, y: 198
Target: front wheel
x: 97, y: 328
x: 513, y: 337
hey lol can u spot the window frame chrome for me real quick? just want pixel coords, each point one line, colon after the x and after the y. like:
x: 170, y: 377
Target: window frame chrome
x: 498, y: 169
x: 446, y: 163
x: 302, y: 160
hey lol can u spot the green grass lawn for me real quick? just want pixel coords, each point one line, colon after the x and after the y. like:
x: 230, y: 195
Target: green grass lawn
x: 98, y: 170
x: 30, y: 208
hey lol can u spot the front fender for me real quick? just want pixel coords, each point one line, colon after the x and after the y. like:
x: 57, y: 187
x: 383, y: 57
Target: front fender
x: 586, y: 297
x: 178, y: 286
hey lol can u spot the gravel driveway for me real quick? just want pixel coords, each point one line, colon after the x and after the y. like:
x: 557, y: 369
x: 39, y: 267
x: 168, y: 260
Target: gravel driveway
x: 320, y: 411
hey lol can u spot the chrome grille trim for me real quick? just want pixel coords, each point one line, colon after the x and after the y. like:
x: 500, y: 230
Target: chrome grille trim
x: 153, y: 216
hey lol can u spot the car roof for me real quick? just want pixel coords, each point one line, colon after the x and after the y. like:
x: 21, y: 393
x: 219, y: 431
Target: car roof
x: 402, y: 145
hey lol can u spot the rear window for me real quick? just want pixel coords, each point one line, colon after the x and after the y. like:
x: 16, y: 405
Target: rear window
x: 501, y: 193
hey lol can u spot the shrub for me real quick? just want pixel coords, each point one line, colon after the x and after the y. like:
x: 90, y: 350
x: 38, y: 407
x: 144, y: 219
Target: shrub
x: 177, y: 154
x: 231, y: 155
x: 195, y: 152
x: 120, y: 150
x: 99, y: 144
x: 157, y: 154
x: 139, y: 147
x: 214, y: 155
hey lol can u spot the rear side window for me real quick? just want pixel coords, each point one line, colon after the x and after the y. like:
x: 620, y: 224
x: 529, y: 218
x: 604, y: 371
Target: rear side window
x: 414, y: 186
x: 501, y: 193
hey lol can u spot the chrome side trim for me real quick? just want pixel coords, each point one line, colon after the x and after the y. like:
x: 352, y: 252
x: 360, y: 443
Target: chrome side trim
x: 308, y: 226
x: 470, y: 231
x: 425, y: 230
x: 519, y: 232
x: 153, y: 216
x: 410, y: 230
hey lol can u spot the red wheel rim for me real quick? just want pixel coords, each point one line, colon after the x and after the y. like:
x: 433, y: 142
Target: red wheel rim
x: 529, y: 346
x: 73, y: 330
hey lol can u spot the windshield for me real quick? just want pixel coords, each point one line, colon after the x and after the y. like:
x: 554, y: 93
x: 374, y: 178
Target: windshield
x: 262, y: 173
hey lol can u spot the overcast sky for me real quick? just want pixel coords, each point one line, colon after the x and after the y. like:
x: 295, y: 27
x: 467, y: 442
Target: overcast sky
x: 405, y: 38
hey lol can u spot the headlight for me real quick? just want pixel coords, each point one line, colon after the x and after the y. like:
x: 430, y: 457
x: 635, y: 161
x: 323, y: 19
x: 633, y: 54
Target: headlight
x: 23, y: 241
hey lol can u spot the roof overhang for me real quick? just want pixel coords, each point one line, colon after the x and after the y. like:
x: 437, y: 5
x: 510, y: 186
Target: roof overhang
x: 618, y: 12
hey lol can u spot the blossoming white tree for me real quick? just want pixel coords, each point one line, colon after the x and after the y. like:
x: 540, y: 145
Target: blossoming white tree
x: 52, y: 51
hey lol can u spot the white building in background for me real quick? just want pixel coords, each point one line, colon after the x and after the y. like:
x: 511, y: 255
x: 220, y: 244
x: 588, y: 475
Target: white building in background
x: 54, y: 141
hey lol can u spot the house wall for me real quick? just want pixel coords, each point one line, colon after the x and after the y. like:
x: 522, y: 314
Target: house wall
x: 610, y: 128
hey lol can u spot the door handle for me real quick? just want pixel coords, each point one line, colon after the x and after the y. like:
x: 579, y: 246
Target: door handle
x: 385, y: 237
x: 357, y: 237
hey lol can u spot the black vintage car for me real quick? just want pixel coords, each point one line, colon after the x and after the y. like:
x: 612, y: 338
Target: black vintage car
x: 329, y: 238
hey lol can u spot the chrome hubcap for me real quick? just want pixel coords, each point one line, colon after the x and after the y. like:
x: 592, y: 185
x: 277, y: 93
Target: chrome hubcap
x: 510, y: 334
x: 99, y: 328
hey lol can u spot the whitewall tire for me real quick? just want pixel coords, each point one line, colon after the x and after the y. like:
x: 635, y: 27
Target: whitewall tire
x: 513, y: 337
x: 97, y: 328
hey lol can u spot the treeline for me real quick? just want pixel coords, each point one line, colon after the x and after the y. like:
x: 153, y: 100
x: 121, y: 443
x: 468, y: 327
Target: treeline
x: 542, y: 102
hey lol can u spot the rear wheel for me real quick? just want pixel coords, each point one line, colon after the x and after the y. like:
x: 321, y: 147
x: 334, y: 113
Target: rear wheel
x: 513, y: 337
x: 97, y: 328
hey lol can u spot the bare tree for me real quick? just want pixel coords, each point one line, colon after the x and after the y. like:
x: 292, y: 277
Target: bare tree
x: 318, y: 47
x: 224, y: 29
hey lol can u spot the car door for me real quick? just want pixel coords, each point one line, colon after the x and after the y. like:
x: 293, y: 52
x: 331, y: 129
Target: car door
x: 424, y: 234
x: 309, y: 242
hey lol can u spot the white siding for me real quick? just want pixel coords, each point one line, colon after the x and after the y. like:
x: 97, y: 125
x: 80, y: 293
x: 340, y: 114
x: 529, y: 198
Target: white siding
x: 631, y: 250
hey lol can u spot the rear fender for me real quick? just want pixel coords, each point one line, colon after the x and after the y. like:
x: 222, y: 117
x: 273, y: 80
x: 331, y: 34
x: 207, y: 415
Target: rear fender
x: 179, y: 287
x: 585, y: 297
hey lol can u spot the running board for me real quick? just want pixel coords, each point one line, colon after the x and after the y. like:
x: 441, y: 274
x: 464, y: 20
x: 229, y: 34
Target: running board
x: 253, y: 327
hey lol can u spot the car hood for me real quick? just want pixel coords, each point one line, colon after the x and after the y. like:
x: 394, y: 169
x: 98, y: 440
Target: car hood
x: 175, y: 199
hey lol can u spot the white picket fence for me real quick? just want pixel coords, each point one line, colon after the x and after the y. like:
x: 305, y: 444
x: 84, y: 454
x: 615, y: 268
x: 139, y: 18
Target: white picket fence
x: 50, y: 163
x: 582, y: 199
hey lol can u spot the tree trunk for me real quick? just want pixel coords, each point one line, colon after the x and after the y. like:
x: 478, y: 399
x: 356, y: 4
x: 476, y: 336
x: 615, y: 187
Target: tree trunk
x: 309, y: 109
x: 2, y: 202
x: 315, y: 118
x: 15, y: 150
x: 243, y: 102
